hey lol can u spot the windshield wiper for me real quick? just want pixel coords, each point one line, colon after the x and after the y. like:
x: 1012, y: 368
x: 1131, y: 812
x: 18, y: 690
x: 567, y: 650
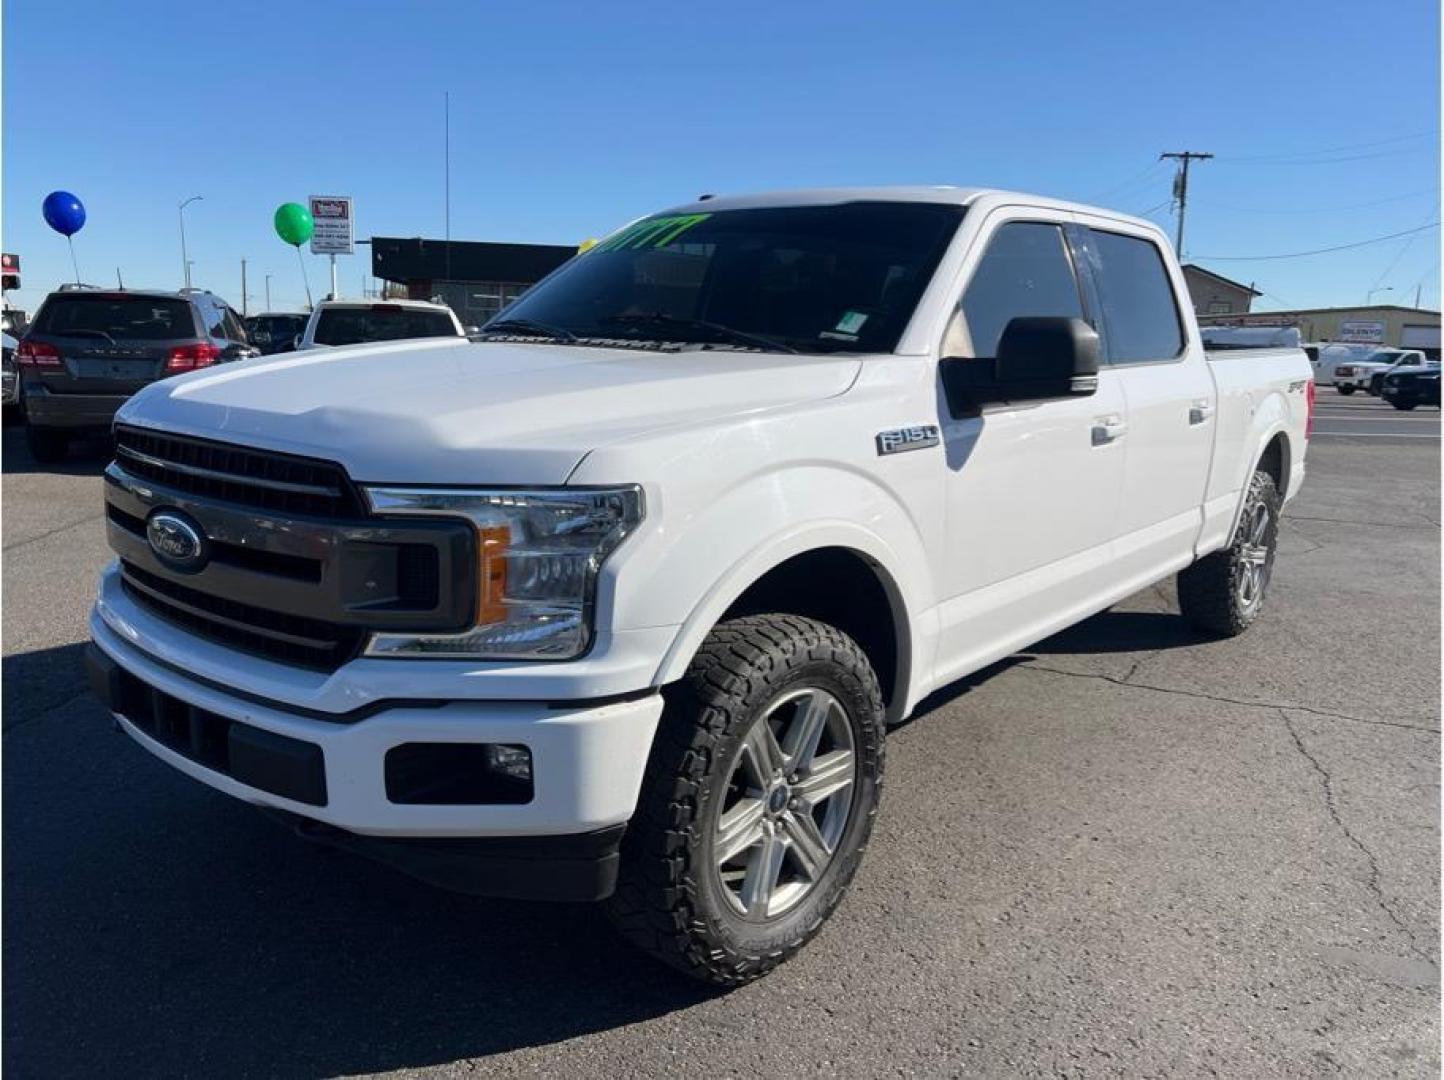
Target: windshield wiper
x: 727, y: 333
x: 529, y: 326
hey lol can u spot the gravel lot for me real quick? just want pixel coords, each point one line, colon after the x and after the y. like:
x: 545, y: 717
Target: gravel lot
x: 1125, y: 852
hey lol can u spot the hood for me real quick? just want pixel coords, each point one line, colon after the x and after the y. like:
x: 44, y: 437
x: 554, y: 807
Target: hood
x: 443, y: 412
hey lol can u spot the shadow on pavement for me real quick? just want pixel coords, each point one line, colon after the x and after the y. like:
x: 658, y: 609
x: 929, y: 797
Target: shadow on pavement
x: 89, y: 455
x: 1123, y: 631
x: 155, y: 927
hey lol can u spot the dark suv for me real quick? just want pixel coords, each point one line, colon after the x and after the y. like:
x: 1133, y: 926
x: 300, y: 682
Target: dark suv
x: 88, y: 350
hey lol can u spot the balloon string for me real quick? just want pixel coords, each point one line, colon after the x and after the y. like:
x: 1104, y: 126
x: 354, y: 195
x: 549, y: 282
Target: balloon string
x: 73, y: 264
x: 304, y: 279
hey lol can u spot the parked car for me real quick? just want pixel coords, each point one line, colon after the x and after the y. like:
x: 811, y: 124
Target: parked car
x: 1407, y: 388
x: 1355, y: 374
x: 1399, y: 361
x: 276, y: 331
x: 89, y: 350
x: 1336, y: 355
x: 617, y: 602
x: 352, y: 322
x: 9, y: 381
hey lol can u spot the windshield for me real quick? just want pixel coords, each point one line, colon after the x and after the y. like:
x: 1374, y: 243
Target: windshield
x: 276, y: 325
x: 807, y: 278
x: 353, y: 326
x: 134, y: 318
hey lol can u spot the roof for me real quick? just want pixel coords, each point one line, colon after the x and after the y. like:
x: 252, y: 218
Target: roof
x: 1219, y: 277
x: 939, y: 193
x: 1351, y: 308
x: 419, y: 305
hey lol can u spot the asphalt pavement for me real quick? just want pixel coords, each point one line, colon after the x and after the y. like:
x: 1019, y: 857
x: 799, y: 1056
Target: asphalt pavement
x: 1128, y: 851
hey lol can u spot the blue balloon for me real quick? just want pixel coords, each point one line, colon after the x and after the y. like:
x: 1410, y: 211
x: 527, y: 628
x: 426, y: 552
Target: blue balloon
x: 63, y: 212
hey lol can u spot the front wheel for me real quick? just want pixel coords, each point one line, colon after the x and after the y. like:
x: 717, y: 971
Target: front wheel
x: 1345, y: 390
x: 1405, y: 406
x: 758, y: 799
x: 1223, y: 593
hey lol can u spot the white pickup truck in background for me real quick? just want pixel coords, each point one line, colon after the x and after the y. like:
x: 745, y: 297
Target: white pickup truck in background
x: 617, y: 601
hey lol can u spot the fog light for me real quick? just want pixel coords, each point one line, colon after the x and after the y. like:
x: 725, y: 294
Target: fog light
x: 512, y: 761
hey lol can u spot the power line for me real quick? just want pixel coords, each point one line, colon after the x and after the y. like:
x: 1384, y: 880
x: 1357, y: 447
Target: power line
x: 1319, y: 251
x: 1126, y: 184
x: 1318, y: 209
x: 1333, y: 149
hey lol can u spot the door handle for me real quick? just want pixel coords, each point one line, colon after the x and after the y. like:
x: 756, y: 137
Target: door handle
x: 1200, y: 411
x: 1107, y: 429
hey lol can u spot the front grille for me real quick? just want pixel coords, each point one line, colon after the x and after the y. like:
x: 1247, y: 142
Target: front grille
x: 289, y: 639
x: 292, y: 768
x: 248, y: 477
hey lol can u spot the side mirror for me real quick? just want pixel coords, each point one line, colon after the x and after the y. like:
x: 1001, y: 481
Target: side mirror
x: 1040, y: 358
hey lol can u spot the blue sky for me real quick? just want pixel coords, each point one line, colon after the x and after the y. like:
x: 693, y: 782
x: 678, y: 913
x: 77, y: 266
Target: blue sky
x: 568, y: 119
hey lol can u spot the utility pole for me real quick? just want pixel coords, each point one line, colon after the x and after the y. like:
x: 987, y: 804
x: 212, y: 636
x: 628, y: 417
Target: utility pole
x: 447, y: 170
x: 268, y: 292
x: 245, y: 311
x: 1418, y: 292
x: 1180, y: 187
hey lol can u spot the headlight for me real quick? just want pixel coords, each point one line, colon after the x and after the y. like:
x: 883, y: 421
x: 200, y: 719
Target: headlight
x: 540, y: 552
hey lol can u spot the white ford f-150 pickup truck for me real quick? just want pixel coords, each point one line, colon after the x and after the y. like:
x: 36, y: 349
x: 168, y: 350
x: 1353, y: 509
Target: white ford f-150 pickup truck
x: 617, y: 601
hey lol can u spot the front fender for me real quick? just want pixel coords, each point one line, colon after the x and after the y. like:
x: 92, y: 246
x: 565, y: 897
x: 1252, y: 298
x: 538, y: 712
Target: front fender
x: 691, y: 569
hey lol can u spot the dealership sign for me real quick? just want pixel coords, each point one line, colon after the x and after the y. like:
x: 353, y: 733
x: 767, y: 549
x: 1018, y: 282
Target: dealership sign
x: 333, y: 217
x: 1362, y: 330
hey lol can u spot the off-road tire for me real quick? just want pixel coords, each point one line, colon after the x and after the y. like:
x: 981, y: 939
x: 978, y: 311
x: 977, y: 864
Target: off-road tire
x: 1346, y: 390
x: 47, y: 445
x: 1208, y: 591
x: 666, y: 901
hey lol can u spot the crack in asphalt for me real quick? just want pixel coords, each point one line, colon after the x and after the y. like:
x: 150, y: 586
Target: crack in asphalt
x: 59, y: 529
x: 1372, y: 524
x: 1331, y: 804
x: 1199, y: 695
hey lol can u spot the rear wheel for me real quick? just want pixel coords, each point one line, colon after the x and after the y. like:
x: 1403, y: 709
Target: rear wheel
x: 47, y: 445
x: 1223, y: 593
x: 1405, y: 406
x: 1345, y: 390
x: 758, y: 800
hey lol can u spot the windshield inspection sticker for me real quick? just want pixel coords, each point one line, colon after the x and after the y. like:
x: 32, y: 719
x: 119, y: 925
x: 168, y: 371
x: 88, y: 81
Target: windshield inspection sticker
x: 851, y: 322
x: 651, y: 232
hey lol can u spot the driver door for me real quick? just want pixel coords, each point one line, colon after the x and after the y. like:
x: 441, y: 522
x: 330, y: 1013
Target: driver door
x: 1032, y: 491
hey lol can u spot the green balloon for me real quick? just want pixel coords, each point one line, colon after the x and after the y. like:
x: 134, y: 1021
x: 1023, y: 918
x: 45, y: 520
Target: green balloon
x: 294, y: 224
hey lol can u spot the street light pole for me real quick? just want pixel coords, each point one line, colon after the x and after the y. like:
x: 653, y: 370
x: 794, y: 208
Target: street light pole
x: 268, y: 292
x: 181, y: 213
x: 1370, y: 294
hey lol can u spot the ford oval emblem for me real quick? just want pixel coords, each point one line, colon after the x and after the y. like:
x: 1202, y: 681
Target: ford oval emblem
x: 177, y: 540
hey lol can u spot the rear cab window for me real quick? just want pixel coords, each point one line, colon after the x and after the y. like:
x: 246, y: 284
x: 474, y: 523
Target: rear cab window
x: 130, y: 318
x: 355, y: 326
x: 1141, y: 323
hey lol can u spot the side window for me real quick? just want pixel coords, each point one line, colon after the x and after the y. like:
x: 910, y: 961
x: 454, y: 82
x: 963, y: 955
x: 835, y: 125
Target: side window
x: 211, y: 316
x: 232, y: 324
x: 1140, y: 312
x: 1026, y: 270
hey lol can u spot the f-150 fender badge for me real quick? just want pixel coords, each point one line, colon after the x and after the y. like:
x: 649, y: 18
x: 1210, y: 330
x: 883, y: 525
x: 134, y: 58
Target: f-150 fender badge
x: 919, y: 437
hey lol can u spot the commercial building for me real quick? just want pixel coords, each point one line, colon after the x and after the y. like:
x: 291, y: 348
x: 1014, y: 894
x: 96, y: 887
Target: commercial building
x: 476, y: 280
x: 1377, y: 324
x: 1214, y: 294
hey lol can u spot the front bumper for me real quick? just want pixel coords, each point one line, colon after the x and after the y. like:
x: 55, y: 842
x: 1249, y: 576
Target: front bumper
x: 588, y: 762
x: 44, y: 409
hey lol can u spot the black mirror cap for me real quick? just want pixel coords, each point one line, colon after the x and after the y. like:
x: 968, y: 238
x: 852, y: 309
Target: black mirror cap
x: 1040, y: 357
x: 1047, y: 349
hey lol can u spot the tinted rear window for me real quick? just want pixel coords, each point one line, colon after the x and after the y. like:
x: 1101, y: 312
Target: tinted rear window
x: 132, y: 318
x: 1140, y: 315
x: 353, y: 326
